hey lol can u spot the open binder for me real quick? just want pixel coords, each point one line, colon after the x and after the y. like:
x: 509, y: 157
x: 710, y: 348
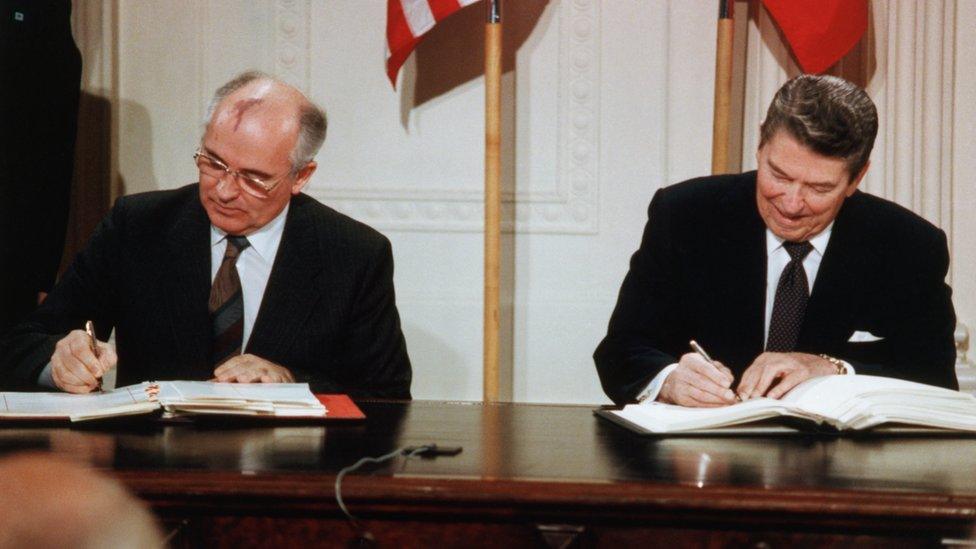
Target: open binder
x: 179, y: 399
x: 824, y: 404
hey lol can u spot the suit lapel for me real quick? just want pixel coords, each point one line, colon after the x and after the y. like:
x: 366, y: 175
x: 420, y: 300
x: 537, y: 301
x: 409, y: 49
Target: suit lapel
x: 831, y: 299
x: 189, y: 286
x: 292, y: 291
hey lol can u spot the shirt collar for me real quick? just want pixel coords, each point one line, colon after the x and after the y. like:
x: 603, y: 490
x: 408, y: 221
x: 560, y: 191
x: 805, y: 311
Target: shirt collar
x: 264, y: 241
x: 819, y: 242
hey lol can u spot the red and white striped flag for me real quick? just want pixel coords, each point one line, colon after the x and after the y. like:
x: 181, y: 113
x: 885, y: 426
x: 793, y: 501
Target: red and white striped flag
x: 406, y: 23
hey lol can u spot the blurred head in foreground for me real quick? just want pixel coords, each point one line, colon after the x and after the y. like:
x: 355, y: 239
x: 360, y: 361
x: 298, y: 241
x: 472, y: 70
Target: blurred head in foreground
x: 49, y: 502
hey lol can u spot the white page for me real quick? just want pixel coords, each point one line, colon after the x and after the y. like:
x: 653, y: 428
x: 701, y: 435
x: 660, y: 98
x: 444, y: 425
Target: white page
x: 284, y: 393
x: 207, y: 390
x: 17, y: 404
x: 253, y: 396
x: 662, y: 418
x: 848, y: 398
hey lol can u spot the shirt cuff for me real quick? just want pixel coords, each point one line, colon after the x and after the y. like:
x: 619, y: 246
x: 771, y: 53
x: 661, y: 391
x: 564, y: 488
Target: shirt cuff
x: 46, y: 379
x: 654, y: 387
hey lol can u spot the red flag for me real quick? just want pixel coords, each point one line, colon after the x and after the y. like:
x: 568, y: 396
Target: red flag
x: 820, y: 33
x: 406, y: 23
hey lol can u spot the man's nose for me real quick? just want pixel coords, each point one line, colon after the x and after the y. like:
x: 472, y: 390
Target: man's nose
x: 792, y: 202
x: 227, y: 187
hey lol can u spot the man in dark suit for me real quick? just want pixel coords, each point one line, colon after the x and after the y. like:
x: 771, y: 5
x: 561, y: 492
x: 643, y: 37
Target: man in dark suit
x: 782, y: 274
x: 242, y: 261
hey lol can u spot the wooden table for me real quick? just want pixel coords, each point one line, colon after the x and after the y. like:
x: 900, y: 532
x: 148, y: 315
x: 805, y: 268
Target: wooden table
x: 530, y: 475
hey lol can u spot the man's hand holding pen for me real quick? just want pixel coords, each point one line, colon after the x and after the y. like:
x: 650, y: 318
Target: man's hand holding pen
x: 79, y: 362
x: 698, y: 381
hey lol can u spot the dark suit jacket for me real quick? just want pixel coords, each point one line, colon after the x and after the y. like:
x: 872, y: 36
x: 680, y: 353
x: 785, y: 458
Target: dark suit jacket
x: 328, y: 313
x: 700, y: 273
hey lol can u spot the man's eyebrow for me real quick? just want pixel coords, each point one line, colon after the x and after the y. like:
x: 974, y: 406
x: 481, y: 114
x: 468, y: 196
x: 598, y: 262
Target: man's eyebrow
x: 256, y: 173
x: 775, y: 167
x: 210, y: 153
x: 810, y: 183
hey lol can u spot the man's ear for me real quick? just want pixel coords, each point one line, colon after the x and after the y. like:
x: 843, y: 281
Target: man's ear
x: 852, y: 186
x: 303, y: 177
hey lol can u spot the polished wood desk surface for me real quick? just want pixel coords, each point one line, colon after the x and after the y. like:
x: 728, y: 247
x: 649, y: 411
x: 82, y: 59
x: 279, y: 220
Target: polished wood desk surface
x: 520, y: 457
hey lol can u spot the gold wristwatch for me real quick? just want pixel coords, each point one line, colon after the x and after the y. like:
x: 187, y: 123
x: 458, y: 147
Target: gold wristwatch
x: 841, y: 367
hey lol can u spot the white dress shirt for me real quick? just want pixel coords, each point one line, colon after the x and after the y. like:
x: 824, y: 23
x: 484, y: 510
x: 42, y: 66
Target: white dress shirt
x: 776, y: 259
x: 253, y: 265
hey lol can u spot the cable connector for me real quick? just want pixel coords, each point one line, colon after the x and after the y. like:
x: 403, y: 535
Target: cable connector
x: 432, y: 450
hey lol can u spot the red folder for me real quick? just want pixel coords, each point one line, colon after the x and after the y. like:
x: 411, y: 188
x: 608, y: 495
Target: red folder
x: 340, y: 407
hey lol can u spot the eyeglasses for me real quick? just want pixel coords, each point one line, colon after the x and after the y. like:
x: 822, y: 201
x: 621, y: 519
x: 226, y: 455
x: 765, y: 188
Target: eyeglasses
x: 216, y: 169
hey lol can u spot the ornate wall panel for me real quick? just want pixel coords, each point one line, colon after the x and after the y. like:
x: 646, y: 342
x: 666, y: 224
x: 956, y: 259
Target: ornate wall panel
x: 568, y: 203
x: 292, y: 24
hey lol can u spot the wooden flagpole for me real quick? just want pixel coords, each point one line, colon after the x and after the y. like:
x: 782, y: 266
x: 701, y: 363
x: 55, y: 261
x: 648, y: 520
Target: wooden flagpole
x: 493, y: 195
x: 723, y: 88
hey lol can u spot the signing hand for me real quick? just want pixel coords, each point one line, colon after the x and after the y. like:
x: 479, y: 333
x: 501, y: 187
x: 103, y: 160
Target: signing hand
x: 74, y: 368
x: 695, y: 382
x: 774, y: 374
x: 248, y: 368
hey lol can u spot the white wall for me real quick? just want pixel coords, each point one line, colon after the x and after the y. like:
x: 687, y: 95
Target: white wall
x: 605, y: 102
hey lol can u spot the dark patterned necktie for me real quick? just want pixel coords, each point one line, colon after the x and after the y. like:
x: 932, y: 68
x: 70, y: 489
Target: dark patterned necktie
x: 227, y: 304
x: 791, y: 300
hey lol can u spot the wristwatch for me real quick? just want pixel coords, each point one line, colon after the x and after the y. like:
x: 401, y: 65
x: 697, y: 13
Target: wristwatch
x: 839, y: 364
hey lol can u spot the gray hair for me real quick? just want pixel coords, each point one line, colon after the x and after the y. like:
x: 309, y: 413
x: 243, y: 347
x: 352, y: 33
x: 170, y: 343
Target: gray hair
x: 827, y: 114
x: 312, y: 122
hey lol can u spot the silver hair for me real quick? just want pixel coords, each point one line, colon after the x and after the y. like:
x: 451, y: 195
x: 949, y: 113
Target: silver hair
x: 312, y: 122
x: 828, y: 114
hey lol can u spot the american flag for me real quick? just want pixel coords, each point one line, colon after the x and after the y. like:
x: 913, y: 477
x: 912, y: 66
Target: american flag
x: 406, y: 23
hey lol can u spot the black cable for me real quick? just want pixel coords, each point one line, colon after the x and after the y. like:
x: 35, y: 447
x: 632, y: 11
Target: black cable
x: 408, y: 451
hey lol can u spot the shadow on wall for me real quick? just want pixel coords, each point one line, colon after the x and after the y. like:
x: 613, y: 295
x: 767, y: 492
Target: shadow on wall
x: 135, y: 127
x: 453, y: 52
x: 91, y: 188
x: 92, y: 191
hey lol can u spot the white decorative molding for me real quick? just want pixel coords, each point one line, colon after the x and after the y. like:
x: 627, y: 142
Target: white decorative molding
x: 285, y: 52
x: 292, y: 21
x: 568, y: 205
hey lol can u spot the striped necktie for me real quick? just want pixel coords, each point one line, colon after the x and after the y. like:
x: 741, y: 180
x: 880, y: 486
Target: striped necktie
x: 790, y: 303
x: 227, y: 304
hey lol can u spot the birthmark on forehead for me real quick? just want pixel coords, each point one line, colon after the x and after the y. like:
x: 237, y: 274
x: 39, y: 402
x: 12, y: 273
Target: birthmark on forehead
x: 242, y: 107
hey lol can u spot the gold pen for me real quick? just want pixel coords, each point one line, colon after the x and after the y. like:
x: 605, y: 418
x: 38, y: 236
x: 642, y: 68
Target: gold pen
x: 93, y: 343
x: 698, y: 349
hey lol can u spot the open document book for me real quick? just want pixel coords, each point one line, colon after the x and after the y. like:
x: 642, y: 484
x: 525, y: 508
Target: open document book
x: 175, y: 398
x: 842, y: 403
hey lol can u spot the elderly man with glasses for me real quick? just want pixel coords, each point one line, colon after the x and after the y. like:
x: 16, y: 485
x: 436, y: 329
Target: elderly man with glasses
x: 238, y: 278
